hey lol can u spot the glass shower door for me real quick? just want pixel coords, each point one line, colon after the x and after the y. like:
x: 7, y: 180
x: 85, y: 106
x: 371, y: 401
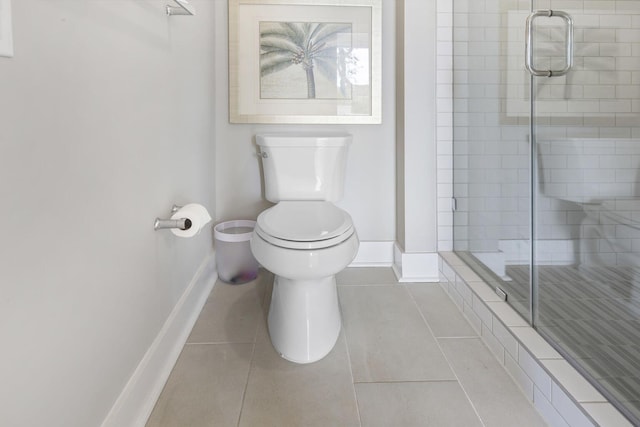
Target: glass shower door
x: 586, y: 168
x: 492, y: 185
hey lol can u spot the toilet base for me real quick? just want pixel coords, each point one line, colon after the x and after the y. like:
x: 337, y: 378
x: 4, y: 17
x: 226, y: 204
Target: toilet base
x: 304, y: 318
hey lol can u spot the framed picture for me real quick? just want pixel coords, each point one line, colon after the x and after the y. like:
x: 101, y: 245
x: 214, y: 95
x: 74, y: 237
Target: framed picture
x: 6, y: 35
x: 305, y: 61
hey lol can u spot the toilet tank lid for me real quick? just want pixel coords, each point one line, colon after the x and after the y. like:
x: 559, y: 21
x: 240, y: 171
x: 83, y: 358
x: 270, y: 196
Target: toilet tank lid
x: 320, y: 139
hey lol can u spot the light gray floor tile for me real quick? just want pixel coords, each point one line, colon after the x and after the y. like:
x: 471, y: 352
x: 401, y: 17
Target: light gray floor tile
x: 443, y: 317
x: 438, y: 403
x: 231, y: 313
x: 281, y: 393
x: 358, y: 276
x: 387, y: 337
x: 493, y: 393
x: 205, y: 387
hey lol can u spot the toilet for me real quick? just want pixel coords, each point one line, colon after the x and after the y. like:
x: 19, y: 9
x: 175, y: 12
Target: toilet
x: 601, y: 176
x: 608, y: 232
x: 305, y: 240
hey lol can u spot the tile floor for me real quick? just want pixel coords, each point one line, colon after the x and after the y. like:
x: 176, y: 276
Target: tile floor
x: 592, y: 312
x: 405, y: 357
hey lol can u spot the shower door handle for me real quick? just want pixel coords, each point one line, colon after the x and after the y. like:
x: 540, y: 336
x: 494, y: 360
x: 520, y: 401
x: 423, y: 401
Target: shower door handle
x: 529, y: 43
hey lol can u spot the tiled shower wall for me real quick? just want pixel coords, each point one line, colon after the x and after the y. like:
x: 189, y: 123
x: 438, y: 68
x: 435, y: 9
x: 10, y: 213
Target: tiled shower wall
x: 481, y: 77
x: 491, y: 152
x: 444, y: 133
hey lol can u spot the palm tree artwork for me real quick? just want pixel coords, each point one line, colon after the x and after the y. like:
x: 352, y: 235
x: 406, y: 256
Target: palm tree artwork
x: 312, y: 54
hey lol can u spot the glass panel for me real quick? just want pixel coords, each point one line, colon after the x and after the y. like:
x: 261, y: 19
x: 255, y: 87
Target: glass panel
x: 587, y: 216
x: 491, y: 144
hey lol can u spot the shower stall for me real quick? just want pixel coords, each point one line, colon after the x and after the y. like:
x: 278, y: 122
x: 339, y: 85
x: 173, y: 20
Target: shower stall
x: 546, y: 154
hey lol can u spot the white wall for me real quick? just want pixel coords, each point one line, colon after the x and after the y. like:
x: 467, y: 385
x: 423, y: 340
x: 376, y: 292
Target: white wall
x: 370, y: 184
x: 417, y: 121
x: 106, y: 119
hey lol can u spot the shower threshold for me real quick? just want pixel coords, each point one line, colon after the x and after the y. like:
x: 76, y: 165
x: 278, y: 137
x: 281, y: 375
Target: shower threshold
x: 557, y: 390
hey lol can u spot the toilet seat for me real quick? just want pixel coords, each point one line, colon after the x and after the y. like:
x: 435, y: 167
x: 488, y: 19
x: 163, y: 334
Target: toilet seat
x: 304, y: 225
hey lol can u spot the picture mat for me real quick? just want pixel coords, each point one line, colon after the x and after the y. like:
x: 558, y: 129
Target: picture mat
x: 246, y: 106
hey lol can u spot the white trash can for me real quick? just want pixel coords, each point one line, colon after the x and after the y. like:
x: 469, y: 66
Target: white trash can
x: 234, y: 259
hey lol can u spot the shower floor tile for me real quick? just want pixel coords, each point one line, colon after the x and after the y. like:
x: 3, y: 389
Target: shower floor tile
x: 592, y: 313
x: 405, y: 357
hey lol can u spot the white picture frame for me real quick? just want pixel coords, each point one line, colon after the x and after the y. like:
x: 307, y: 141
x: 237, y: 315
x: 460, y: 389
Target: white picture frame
x: 305, y: 61
x: 6, y: 29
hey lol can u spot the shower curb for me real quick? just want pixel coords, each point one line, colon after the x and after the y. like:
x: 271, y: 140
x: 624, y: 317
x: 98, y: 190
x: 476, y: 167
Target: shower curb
x: 560, y: 394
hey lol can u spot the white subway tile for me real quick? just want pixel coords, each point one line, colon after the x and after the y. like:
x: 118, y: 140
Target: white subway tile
x: 464, y: 290
x: 444, y: 77
x: 538, y: 375
x: 572, y: 381
x: 455, y: 296
x: 535, y: 344
x: 615, y: 106
x: 473, y: 318
x: 630, y: 63
x: 612, y: 49
x: 600, y: 5
x: 628, y: 35
x: 568, y: 408
x: 506, y: 339
x: 599, y: 91
x: 599, y: 35
x: 605, y: 414
x: 615, y: 21
x: 444, y: 34
x: 444, y: 6
x: 520, y: 377
x: 493, y: 343
x: 549, y: 413
x: 482, y: 311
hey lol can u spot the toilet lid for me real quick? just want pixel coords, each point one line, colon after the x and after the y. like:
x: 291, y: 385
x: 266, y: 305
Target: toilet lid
x: 304, y: 225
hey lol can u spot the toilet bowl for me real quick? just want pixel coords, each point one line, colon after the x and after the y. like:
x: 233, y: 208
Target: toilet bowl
x: 304, y: 315
x: 305, y: 240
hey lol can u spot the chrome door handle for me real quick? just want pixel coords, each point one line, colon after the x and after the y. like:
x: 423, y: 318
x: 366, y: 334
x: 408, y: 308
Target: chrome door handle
x: 529, y: 43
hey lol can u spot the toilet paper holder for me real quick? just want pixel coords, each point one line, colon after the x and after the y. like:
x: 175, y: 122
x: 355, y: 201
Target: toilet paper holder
x: 182, y: 223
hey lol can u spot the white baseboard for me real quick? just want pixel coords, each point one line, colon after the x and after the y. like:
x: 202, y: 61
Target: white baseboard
x: 415, y: 267
x: 374, y: 254
x: 135, y: 403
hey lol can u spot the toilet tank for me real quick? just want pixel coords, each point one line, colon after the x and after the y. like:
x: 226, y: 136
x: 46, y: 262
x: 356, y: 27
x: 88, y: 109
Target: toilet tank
x: 304, y: 166
x: 584, y: 170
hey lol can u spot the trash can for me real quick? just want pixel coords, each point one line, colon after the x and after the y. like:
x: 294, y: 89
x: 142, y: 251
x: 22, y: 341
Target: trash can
x: 234, y: 259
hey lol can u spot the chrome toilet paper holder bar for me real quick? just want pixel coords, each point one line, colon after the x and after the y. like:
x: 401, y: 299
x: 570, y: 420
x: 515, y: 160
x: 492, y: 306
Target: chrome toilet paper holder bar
x: 183, y: 8
x: 182, y: 223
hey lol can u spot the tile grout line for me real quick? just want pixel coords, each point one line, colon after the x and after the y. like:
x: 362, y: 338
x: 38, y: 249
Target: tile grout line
x: 501, y: 362
x: 217, y: 343
x: 415, y: 303
x: 246, y: 384
x: 353, y: 381
x: 406, y: 381
x: 253, y: 352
